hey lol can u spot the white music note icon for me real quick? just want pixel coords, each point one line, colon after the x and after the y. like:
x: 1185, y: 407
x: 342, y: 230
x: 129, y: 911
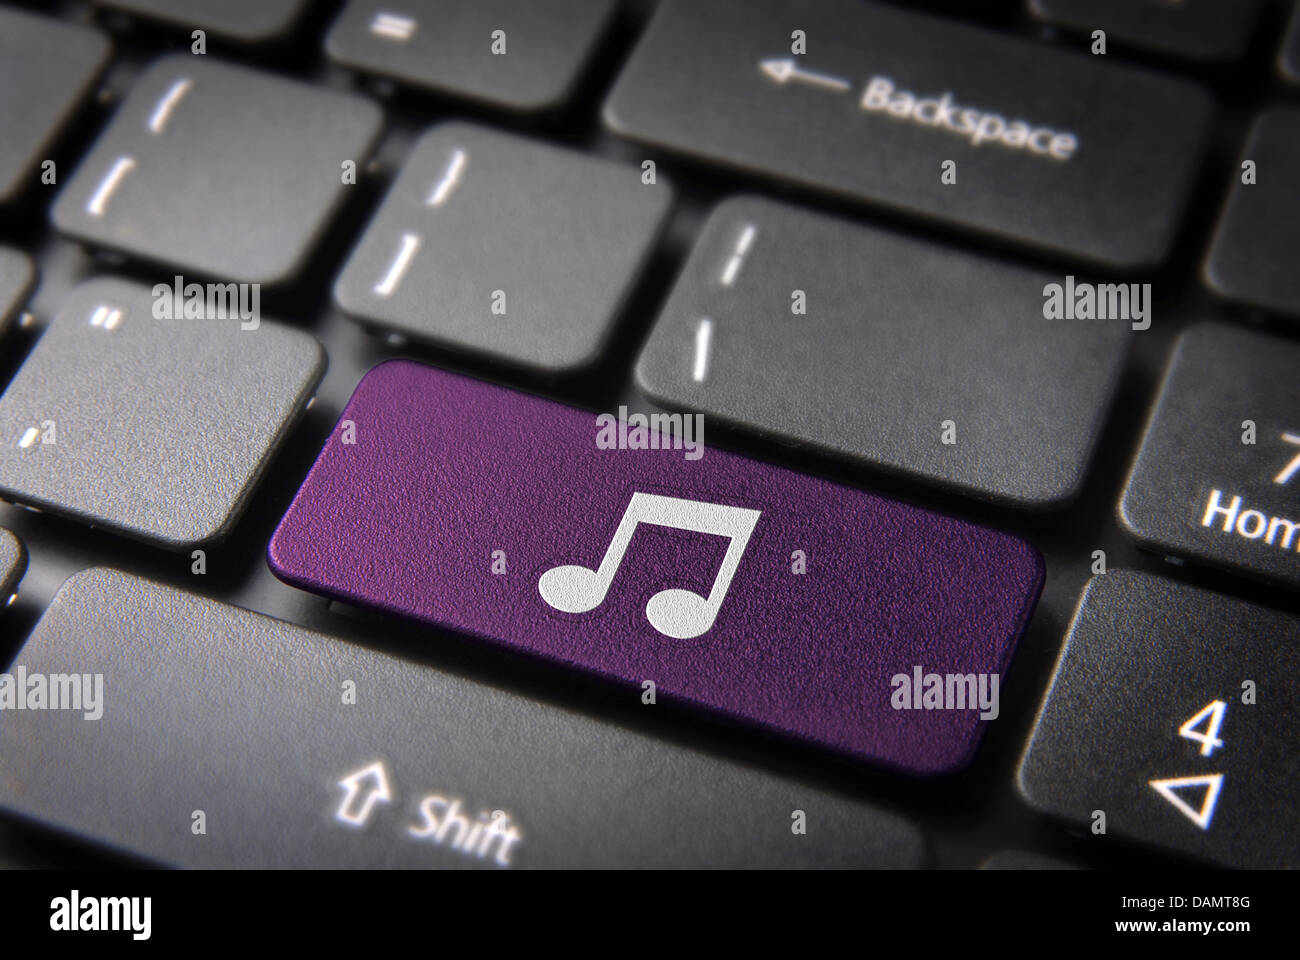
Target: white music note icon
x: 681, y: 614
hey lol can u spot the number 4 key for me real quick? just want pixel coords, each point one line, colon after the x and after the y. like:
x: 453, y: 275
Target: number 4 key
x: 1142, y: 648
x: 1211, y: 715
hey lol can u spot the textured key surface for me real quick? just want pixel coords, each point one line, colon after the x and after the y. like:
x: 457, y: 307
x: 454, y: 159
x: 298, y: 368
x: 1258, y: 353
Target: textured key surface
x: 1144, y: 657
x: 527, y: 250
x: 46, y: 69
x: 1252, y: 257
x: 156, y: 428
x: 1197, y: 29
x: 447, y: 46
x: 1196, y: 489
x: 451, y: 479
x: 218, y: 169
x: 899, y: 336
x: 207, y: 705
x: 13, y: 560
x: 17, y: 274
x: 717, y: 81
x: 246, y: 20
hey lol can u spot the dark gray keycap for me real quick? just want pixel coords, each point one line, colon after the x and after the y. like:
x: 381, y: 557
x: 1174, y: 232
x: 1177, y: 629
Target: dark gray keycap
x: 46, y: 70
x: 250, y: 21
x: 1288, y: 60
x: 13, y: 561
x: 1218, y: 473
x: 218, y: 169
x: 155, y: 428
x: 899, y: 336
x: 209, y: 707
x: 17, y: 274
x: 454, y: 47
x: 1208, y: 30
x: 527, y: 250
x: 1051, y: 148
x: 1253, y: 256
x: 1176, y: 713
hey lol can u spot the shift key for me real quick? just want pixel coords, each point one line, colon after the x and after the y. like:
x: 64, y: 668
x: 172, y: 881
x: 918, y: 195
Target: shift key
x: 198, y: 734
x: 1048, y: 148
x: 629, y: 550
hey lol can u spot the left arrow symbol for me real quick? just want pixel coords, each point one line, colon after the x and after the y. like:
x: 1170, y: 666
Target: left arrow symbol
x: 363, y: 790
x: 785, y: 70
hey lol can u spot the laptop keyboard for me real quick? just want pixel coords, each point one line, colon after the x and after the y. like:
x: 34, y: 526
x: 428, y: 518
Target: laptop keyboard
x: 431, y: 769
x: 462, y: 47
x: 48, y: 69
x: 785, y: 321
x: 156, y: 428
x: 780, y: 547
x: 559, y: 240
x: 1258, y: 216
x: 991, y: 336
x: 1190, y: 748
x: 1211, y: 481
x: 921, y: 132
x: 220, y: 170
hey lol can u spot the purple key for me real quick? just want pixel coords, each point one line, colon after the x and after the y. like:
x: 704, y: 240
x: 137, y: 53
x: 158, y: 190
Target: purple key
x: 839, y: 618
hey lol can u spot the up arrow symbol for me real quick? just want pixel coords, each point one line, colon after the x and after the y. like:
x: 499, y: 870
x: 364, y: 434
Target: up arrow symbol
x: 786, y: 70
x: 364, y: 789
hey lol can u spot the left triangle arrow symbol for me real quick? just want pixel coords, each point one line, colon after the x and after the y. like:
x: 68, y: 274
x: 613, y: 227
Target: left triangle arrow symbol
x: 778, y: 70
x: 1212, y: 783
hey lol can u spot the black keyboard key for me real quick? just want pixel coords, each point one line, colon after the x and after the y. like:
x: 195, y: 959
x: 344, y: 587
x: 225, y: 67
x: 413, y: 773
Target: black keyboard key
x: 1051, y: 148
x: 315, y: 781
x: 17, y: 274
x: 1252, y: 258
x: 156, y: 428
x: 46, y: 70
x: 900, y: 338
x: 13, y: 561
x: 1175, y: 714
x: 248, y: 21
x: 218, y: 169
x: 1206, y: 30
x: 528, y: 250
x: 1217, y: 477
x: 516, y: 54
